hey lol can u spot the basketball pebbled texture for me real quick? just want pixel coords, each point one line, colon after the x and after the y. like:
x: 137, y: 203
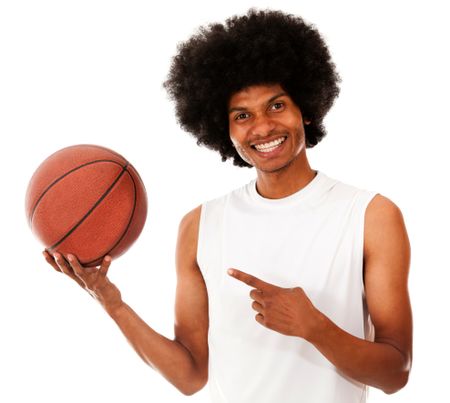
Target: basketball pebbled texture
x: 86, y: 200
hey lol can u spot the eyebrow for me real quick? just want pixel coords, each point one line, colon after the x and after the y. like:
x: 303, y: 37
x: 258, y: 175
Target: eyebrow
x: 242, y: 108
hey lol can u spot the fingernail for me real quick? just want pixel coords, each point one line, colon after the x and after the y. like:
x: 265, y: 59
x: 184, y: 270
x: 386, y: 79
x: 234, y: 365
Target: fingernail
x: 230, y: 272
x: 70, y: 257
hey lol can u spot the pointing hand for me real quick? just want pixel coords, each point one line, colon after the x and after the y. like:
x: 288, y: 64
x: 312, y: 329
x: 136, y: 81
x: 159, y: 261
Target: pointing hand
x: 285, y: 310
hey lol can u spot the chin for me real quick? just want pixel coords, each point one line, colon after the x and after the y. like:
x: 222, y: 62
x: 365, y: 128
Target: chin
x: 270, y: 168
x: 277, y: 167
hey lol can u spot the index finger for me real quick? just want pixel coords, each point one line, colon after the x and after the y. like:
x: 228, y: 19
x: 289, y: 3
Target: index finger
x: 250, y: 280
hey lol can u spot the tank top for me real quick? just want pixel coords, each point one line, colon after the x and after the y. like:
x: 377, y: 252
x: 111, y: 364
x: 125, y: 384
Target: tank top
x: 311, y: 239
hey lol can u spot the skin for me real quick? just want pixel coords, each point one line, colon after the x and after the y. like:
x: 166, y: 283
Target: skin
x: 260, y: 114
x: 263, y: 113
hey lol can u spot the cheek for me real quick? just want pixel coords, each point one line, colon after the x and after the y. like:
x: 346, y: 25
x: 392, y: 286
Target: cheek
x: 243, y: 155
x: 240, y: 150
x: 300, y: 135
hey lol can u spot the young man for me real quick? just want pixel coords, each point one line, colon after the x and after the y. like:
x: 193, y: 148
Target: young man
x: 292, y: 288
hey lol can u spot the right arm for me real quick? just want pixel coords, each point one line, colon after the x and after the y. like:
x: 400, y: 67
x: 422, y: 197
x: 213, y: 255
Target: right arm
x: 184, y: 360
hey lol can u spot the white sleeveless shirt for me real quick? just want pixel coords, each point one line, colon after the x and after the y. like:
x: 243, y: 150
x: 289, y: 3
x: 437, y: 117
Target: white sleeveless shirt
x: 312, y: 239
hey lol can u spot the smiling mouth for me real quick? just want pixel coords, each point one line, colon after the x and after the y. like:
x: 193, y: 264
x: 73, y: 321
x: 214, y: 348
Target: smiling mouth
x: 270, y: 146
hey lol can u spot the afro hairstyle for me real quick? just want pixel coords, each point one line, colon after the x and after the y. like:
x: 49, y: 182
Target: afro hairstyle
x: 261, y: 47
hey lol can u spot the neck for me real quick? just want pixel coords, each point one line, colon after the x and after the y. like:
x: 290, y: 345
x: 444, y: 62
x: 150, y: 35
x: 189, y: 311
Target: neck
x: 285, y: 181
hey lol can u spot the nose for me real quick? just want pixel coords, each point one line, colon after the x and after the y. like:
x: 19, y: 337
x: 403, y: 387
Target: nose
x: 262, y: 125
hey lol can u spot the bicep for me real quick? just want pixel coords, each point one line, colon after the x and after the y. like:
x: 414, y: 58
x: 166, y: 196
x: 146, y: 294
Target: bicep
x: 191, y: 303
x: 386, y: 267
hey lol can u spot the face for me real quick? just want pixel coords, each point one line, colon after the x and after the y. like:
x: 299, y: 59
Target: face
x: 266, y: 127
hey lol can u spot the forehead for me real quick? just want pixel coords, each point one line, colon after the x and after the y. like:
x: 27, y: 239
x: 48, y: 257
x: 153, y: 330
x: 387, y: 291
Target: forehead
x: 255, y: 94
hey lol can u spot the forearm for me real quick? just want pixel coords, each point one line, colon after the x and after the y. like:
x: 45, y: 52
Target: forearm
x: 169, y: 357
x: 377, y: 364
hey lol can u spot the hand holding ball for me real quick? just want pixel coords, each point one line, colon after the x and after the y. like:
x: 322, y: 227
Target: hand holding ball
x: 86, y: 200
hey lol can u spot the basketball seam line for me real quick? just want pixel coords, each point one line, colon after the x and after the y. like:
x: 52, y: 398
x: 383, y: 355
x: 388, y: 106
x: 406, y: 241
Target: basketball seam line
x: 61, y: 178
x: 124, y: 169
x: 125, y: 230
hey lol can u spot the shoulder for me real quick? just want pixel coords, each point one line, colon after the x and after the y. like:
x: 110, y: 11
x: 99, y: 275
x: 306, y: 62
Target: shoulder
x: 381, y: 206
x: 384, y: 225
x: 381, y: 212
x: 190, y: 221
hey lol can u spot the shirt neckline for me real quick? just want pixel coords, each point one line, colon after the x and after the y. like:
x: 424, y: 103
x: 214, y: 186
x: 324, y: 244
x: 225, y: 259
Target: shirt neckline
x: 293, y: 198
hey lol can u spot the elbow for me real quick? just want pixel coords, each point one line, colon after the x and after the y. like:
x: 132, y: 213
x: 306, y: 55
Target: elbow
x: 400, y: 382
x: 191, y: 388
x: 188, y: 392
x: 398, y: 379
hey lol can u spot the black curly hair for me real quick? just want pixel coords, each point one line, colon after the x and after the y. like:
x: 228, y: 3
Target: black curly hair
x: 261, y: 47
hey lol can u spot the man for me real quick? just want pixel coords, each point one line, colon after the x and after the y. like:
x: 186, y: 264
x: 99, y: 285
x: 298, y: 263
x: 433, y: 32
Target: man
x: 292, y: 288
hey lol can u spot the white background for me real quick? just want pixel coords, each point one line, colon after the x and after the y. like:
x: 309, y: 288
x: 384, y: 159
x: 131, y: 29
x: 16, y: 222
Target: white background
x: 91, y: 72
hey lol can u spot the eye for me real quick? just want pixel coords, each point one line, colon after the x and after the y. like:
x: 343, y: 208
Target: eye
x: 277, y: 106
x: 241, y: 116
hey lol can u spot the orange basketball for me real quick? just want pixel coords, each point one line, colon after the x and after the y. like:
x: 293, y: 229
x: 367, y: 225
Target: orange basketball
x: 86, y: 200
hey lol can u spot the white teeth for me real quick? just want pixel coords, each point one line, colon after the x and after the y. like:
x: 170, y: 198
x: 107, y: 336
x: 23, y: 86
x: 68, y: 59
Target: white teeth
x: 267, y: 150
x: 267, y: 147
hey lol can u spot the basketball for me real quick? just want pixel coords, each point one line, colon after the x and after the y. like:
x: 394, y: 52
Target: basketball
x: 86, y: 200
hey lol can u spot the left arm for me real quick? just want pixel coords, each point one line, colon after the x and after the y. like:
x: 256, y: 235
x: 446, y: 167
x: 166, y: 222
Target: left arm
x: 384, y: 363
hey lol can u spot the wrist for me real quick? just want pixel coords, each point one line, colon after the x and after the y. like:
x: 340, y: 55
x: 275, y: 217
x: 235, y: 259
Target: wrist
x: 114, y: 307
x: 317, y: 328
x: 108, y: 295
